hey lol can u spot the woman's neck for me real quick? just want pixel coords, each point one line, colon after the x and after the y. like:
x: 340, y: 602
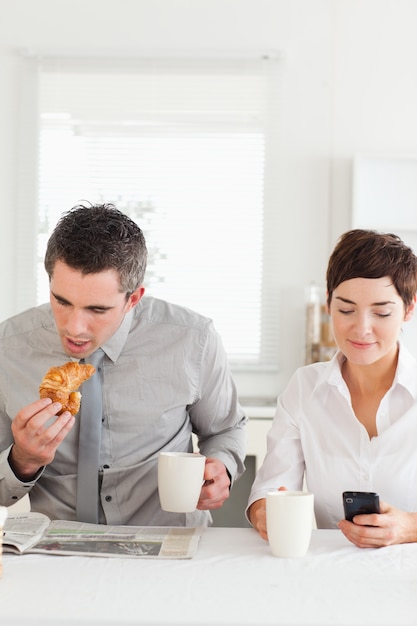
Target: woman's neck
x: 373, y: 378
x: 367, y: 385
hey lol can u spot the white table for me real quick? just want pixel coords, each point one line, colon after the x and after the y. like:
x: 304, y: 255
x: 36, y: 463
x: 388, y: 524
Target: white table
x: 233, y: 581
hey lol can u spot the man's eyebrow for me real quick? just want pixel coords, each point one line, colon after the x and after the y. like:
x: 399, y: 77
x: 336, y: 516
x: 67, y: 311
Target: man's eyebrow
x: 347, y: 301
x: 100, y: 307
x: 92, y: 307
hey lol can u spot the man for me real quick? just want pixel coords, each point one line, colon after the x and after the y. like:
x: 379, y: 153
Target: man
x: 164, y: 376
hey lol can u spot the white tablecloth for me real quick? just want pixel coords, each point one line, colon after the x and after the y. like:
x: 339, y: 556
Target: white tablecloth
x: 233, y: 581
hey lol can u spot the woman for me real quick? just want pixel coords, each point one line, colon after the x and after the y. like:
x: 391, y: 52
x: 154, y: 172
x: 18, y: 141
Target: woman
x: 351, y: 423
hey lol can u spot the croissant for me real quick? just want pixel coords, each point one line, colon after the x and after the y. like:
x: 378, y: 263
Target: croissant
x: 61, y: 384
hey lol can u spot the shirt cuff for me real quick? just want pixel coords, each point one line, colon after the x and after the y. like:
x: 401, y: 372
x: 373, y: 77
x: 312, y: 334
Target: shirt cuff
x: 13, y: 488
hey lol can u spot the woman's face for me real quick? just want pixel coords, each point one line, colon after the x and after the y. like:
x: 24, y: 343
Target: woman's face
x: 367, y: 315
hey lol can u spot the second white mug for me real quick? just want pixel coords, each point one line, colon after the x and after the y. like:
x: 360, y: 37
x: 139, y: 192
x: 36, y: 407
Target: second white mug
x: 289, y: 522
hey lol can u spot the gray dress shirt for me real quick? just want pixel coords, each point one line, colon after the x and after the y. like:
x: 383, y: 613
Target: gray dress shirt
x: 165, y: 376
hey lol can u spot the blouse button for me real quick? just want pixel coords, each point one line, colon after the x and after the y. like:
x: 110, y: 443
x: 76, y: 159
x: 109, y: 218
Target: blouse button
x: 108, y: 498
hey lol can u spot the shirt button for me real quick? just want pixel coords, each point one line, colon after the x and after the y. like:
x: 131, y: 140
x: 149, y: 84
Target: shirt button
x: 108, y: 498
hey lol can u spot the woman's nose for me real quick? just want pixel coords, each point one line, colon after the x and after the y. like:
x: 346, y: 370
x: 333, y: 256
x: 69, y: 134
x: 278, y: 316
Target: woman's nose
x: 363, y: 325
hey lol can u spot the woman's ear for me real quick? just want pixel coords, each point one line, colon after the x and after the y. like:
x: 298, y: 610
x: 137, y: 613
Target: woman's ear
x: 410, y: 310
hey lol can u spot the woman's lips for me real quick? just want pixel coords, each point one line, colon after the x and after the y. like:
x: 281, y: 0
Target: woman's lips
x: 360, y: 345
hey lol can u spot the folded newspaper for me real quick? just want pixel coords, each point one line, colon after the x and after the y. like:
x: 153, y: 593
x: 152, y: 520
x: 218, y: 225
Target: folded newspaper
x: 27, y: 533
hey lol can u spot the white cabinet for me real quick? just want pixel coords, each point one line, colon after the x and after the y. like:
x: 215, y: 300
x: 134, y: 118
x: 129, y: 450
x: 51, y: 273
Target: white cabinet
x: 260, y: 420
x: 385, y: 193
x: 232, y: 513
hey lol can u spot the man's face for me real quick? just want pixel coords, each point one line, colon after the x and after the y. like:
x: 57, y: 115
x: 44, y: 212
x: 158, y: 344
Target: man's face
x: 88, y: 309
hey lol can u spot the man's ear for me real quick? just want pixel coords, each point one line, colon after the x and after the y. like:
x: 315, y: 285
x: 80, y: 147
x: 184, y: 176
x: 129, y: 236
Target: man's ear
x: 410, y: 310
x: 135, y: 296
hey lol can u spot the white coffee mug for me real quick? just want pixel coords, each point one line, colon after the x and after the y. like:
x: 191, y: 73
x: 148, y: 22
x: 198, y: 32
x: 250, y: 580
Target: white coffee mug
x: 289, y: 522
x: 180, y: 478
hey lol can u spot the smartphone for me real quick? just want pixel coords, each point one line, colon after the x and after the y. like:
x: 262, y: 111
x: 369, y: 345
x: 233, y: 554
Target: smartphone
x: 360, y: 503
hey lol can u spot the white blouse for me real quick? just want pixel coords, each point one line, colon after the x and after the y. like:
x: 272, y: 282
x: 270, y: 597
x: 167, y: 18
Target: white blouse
x: 316, y: 432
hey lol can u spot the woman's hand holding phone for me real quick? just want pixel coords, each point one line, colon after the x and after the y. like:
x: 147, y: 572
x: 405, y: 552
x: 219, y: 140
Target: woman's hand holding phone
x: 376, y: 524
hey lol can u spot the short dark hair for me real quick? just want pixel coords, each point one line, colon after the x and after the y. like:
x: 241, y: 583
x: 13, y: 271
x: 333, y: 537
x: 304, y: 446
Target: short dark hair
x: 371, y: 254
x: 96, y: 237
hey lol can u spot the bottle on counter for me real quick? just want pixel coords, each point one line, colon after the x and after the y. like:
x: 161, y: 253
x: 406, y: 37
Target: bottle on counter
x: 320, y: 344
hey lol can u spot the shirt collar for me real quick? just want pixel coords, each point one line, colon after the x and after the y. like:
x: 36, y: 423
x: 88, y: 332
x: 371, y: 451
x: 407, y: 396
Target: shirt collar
x: 114, y: 346
x: 333, y: 374
x: 406, y: 374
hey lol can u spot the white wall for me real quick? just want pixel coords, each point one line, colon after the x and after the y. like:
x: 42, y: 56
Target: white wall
x: 348, y: 85
x: 374, y: 100
x: 374, y: 88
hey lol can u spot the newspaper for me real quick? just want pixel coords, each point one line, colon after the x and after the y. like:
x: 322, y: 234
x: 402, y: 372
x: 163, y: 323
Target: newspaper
x: 34, y: 533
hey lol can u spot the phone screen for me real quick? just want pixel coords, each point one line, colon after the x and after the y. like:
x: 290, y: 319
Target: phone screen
x: 360, y: 503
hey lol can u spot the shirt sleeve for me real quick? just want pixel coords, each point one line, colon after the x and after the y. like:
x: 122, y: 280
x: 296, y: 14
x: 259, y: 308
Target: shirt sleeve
x: 11, y: 488
x: 217, y: 418
x: 283, y: 465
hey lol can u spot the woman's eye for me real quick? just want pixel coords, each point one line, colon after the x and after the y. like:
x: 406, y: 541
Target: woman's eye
x: 345, y: 312
x: 383, y: 314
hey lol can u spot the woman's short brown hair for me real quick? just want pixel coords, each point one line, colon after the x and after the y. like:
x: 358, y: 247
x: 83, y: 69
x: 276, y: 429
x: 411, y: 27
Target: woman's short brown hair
x: 370, y: 254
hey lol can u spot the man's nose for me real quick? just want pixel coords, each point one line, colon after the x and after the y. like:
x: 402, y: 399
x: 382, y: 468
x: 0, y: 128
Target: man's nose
x: 76, y: 323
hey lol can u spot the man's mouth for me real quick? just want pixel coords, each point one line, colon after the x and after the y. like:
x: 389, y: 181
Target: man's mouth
x: 76, y: 345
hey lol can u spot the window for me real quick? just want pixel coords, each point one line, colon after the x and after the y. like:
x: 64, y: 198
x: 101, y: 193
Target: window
x: 181, y: 146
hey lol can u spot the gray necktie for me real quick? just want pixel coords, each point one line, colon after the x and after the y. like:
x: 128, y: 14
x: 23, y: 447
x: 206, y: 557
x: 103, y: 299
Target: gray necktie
x: 91, y: 415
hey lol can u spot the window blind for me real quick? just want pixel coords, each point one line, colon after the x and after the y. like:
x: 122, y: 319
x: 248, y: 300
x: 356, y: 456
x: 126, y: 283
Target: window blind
x: 181, y: 146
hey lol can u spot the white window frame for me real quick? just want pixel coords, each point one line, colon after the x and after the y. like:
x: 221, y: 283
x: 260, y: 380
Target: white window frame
x: 258, y: 383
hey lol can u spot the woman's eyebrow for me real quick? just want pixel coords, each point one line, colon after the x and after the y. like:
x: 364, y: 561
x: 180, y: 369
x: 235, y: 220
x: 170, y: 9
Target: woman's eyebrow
x: 344, y: 300
x: 347, y: 301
